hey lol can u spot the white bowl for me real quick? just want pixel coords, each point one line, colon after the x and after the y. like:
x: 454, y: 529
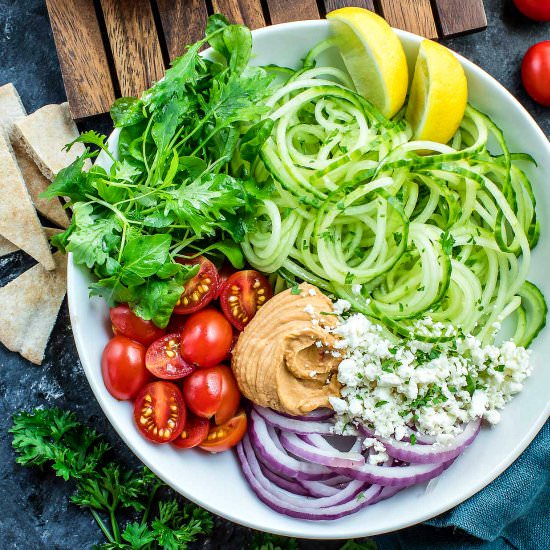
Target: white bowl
x: 215, y: 481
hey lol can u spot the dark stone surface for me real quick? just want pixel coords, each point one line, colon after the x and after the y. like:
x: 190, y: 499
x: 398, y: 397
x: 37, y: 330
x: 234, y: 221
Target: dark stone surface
x: 36, y: 513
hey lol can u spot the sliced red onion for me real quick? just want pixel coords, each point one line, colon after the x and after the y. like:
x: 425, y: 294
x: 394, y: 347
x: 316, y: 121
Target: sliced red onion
x: 291, y: 424
x: 395, y: 476
x: 330, y: 457
x: 430, y: 454
x: 320, y: 488
x: 283, y: 483
x: 319, y: 441
x: 385, y: 493
x: 278, y: 461
x: 317, y: 415
x: 270, y: 494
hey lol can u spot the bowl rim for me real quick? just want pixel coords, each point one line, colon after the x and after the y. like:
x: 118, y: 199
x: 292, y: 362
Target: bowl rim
x: 521, y: 444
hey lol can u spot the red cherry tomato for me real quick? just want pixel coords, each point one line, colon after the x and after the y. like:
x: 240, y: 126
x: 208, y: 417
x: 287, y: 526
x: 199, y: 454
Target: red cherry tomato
x: 127, y: 323
x: 201, y: 289
x: 535, y: 72
x: 123, y: 367
x: 176, y: 323
x: 206, y: 338
x: 231, y: 396
x: 194, y: 432
x: 221, y: 438
x: 539, y: 10
x: 242, y: 295
x: 212, y: 391
x: 224, y: 273
x: 159, y: 411
x: 164, y: 360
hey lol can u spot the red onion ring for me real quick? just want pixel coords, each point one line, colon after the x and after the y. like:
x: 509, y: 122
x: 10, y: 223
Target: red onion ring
x: 292, y: 424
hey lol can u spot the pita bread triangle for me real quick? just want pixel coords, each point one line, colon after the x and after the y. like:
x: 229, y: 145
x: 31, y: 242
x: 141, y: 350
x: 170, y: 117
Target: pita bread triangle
x: 29, y: 306
x: 6, y: 247
x: 18, y: 220
x: 12, y: 110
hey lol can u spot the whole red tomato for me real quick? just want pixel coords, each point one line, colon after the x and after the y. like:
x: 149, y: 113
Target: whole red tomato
x: 123, y: 367
x: 535, y: 72
x: 539, y: 10
x: 206, y: 338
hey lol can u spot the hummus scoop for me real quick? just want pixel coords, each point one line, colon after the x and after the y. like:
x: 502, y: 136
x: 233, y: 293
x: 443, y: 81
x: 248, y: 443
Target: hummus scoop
x: 283, y: 357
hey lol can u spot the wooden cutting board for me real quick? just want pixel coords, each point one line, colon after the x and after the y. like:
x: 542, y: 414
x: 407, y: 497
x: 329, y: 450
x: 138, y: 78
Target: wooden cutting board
x: 115, y: 48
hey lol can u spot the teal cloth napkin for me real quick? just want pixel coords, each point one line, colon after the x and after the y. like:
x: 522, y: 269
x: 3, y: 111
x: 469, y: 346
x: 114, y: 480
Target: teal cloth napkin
x: 513, y: 512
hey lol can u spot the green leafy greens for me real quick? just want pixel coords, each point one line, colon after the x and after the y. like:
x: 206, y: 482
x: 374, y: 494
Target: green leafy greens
x: 78, y: 454
x: 167, y: 191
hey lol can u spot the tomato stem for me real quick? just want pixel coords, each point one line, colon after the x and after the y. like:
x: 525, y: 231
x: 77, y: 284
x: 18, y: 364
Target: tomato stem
x: 102, y: 525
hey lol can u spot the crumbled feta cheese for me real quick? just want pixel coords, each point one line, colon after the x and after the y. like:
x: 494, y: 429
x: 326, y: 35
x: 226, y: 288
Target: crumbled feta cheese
x: 392, y: 384
x: 341, y: 306
x: 312, y: 373
x: 309, y: 310
x: 356, y: 289
x: 312, y: 292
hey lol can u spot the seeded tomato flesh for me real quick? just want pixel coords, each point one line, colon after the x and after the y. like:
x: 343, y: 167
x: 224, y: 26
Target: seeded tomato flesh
x: 221, y: 438
x: 159, y: 411
x: 201, y: 289
x: 242, y: 295
x: 164, y: 360
x: 194, y: 432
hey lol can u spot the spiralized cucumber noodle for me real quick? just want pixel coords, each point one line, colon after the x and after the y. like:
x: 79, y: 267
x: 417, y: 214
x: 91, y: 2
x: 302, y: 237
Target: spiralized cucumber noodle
x: 404, y: 230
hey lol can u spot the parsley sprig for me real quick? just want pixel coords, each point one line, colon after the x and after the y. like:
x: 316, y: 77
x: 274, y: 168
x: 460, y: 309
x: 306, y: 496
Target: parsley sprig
x: 78, y: 454
x: 171, y: 189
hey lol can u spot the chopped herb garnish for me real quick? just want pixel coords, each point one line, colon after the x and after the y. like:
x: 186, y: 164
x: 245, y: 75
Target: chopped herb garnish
x: 295, y: 290
x: 349, y: 279
x: 380, y: 403
x: 413, y: 439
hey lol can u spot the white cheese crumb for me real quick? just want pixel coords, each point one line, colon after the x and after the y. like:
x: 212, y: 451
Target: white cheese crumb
x: 356, y: 289
x: 312, y: 292
x: 385, y: 382
x: 309, y: 310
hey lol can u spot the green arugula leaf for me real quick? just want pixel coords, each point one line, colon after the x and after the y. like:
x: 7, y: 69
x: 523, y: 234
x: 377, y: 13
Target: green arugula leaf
x: 254, y: 139
x: 127, y: 111
x: 144, y: 255
x: 93, y: 238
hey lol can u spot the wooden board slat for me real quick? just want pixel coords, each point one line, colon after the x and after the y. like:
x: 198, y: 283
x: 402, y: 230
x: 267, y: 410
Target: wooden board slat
x: 134, y: 44
x: 281, y: 11
x: 82, y: 56
x: 458, y: 16
x: 247, y: 12
x: 335, y: 4
x: 183, y: 22
x: 410, y: 15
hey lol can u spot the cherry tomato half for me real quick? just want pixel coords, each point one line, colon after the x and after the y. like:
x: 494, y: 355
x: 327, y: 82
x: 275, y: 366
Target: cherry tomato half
x: 123, y: 367
x: 221, y: 438
x: 159, y: 411
x: 535, y: 72
x: 201, y: 289
x: 194, y: 432
x: 176, y: 323
x: 242, y: 295
x: 127, y: 323
x: 539, y: 10
x: 206, y: 338
x: 164, y: 360
x: 212, y: 391
x: 224, y: 273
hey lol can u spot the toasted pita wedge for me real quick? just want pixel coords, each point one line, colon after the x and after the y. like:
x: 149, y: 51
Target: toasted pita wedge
x: 6, y: 247
x: 45, y: 133
x: 18, y: 220
x: 29, y: 306
x: 11, y: 111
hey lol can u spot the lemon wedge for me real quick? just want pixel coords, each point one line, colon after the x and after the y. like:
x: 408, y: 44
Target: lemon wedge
x: 439, y: 93
x: 373, y: 56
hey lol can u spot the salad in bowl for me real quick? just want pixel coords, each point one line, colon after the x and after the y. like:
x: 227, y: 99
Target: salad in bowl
x: 319, y: 272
